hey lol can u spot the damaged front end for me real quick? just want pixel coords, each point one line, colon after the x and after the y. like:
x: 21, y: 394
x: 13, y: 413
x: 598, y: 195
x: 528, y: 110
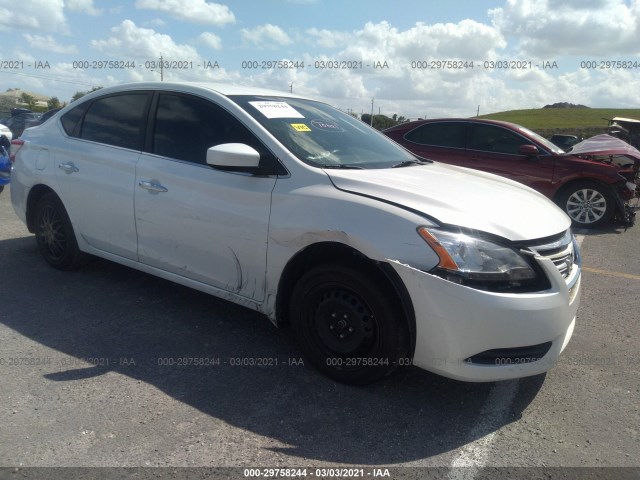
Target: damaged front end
x: 613, y: 151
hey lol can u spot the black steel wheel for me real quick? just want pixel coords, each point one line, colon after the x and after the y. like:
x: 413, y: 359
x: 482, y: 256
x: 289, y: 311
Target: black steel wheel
x: 54, y: 234
x: 348, y: 326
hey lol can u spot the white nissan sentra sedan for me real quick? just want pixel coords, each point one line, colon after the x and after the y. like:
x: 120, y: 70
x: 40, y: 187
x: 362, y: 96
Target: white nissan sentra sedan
x: 285, y: 205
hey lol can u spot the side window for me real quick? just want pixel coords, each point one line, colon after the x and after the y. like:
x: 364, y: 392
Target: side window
x: 446, y: 134
x: 489, y: 138
x: 186, y: 126
x: 71, y: 119
x: 116, y: 120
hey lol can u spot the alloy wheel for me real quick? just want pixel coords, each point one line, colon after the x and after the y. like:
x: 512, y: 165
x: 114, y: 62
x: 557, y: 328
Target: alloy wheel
x: 586, y: 205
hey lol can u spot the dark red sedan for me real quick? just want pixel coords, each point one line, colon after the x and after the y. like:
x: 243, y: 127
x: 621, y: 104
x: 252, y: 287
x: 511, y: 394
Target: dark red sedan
x: 590, y: 191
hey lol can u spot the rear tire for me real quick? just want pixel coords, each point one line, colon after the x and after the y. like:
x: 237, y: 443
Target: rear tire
x: 588, y: 204
x: 347, y: 325
x: 54, y: 234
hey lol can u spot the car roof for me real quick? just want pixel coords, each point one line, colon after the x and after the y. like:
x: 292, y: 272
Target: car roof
x: 417, y: 123
x: 225, y: 89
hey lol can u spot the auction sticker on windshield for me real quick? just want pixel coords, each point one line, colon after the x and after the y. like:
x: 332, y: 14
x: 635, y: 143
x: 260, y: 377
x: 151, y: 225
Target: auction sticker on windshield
x: 276, y: 109
x: 300, y: 127
x: 327, y: 126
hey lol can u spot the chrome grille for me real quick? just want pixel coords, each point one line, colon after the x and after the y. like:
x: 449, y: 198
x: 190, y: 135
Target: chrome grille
x: 562, y: 260
x: 561, y: 252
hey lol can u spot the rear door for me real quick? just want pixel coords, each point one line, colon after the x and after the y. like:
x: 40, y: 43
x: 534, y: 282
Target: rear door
x: 195, y: 221
x: 441, y: 141
x: 95, y: 169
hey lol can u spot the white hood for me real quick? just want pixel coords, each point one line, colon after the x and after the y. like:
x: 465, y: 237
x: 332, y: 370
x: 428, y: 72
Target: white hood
x: 462, y: 197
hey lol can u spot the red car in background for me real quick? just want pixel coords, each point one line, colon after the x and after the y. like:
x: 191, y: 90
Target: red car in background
x: 590, y: 190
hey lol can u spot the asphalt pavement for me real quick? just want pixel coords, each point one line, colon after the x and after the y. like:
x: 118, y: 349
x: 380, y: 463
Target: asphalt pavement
x: 110, y: 367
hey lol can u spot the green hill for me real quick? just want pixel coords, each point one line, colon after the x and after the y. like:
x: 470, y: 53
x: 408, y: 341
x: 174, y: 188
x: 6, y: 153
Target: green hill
x: 547, y: 121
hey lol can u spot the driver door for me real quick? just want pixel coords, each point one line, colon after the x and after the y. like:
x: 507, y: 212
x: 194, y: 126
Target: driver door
x: 495, y: 150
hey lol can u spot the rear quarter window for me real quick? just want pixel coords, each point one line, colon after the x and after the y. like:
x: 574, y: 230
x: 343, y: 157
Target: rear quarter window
x: 71, y: 120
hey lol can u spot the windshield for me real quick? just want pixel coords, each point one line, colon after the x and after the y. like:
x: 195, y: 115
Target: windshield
x: 540, y: 139
x: 321, y: 135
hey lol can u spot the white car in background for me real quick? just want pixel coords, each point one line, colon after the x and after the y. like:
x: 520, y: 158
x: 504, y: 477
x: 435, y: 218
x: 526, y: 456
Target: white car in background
x: 285, y: 205
x: 6, y: 132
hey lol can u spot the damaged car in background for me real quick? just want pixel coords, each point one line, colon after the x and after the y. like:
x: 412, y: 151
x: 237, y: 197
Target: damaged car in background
x: 589, y: 188
x: 619, y: 154
x: 285, y: 205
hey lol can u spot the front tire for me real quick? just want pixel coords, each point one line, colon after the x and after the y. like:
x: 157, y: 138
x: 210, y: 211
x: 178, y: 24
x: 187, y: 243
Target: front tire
x: 54, y: 234
x: 588, y: 204
x: 348, y: 326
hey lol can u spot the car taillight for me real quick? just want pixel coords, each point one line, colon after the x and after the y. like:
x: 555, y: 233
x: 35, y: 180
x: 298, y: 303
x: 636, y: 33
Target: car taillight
x: 15, y: 146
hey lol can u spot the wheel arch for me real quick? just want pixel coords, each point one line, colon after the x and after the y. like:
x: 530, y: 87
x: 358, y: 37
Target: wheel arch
x: 317, y: 253
x: 607, y: 189
x: 576, y: 181
x: 35, y: 194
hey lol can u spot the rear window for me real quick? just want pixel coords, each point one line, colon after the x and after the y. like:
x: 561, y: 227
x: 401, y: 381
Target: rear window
x: 447, y: 134
x: 117, y: 120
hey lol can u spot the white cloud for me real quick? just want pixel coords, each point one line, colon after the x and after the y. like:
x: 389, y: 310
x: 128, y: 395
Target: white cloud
x: 467, y: 39
x: 327, y: 38
x: 85, y: 6
x: 210, y: 40
x: 197, y: 11
x: 48, y: 43
x: 127, y: 39
x: 266, y: 36
x: 341, y: 85
x: 41, y: 15
x: 156, y: 22
x: 551, y: 29
x: 411, y: 91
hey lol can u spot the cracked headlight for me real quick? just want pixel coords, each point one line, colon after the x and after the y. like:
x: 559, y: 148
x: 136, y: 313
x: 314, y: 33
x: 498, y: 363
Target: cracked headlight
x: 468, y: 259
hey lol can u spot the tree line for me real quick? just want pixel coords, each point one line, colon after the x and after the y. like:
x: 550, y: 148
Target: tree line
x: 380, y: 122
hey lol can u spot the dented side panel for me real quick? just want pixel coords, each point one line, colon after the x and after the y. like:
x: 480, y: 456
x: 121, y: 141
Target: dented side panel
x: 209, y: 226
x: 306, y: 216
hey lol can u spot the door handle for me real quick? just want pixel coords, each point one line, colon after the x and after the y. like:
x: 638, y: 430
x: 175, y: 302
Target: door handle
x: 152, y: 187
x: 68, y: 167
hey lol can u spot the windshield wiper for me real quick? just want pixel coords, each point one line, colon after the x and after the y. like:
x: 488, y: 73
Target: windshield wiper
x: 409, y: 163
x: 343, y: 166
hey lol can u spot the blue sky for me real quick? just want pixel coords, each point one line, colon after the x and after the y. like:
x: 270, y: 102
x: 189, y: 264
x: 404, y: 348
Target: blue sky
x: 425, y: 50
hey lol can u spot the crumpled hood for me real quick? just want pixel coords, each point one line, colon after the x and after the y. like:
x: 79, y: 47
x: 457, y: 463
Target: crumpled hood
x: 460, y: 196
x: 604, y: 145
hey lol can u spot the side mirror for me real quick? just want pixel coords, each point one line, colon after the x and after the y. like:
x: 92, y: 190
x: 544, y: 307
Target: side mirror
x: 529, y: 150
x: 232, y: 156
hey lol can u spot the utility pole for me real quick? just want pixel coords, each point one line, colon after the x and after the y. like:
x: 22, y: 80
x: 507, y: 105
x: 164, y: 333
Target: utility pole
x: 291, y: 87
x: 161, y: 69
x: 371, y: 123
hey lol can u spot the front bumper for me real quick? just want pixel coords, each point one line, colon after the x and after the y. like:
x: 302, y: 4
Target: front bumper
x: 624, y: 195
x: 455, y: 323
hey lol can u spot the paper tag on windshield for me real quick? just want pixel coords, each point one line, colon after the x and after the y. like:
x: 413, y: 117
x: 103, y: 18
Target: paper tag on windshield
x: 277, y: 110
